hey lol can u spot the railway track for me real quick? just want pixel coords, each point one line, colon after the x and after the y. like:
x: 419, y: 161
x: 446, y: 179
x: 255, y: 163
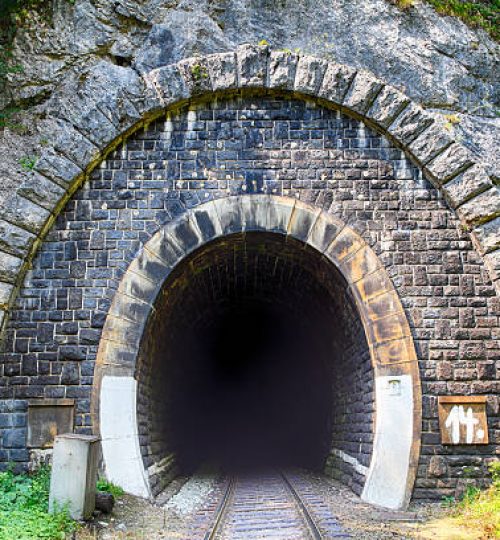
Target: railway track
x: 272, y: 506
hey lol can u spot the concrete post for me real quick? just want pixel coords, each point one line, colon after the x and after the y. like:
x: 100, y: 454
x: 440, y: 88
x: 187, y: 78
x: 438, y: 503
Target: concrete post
x: 74, y: 474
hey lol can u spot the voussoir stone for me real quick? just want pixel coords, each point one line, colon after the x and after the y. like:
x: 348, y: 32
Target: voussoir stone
x: 25, y: 213
x: 362, y: 92
x: 481, y: 208
x: 389, y: 103
x: 309, y: 75
x: 492, y: 262
x: 169, y: 83
x: 10, y: 266
x: 116, y: 91
x: 336, y: 82
x: 282, y: 69
x: 40, y: 190
x: 15, y: 240
x: 5, y: 294
x: 196, y: 75
x: 487, y: 235
x: 71, y: 143
x: 410, y: 124
x: 430, y: 143
x: 75, y: 103
x: 466, y: 185
x: 58, y: 168
x: 251, y: 61
x: 448, y: 164
x: 222, y: 70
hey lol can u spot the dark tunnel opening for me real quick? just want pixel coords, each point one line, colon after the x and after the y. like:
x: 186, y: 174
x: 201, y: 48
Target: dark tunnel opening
x: 253, y: 394
x: 255, y: 357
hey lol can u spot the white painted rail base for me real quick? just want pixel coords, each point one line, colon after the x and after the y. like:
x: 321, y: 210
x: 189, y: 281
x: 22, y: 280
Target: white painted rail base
x: 386, y: 482
x: 120, y: 438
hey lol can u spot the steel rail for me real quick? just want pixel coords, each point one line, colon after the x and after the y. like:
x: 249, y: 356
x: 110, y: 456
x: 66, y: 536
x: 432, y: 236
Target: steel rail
x: 314, y: 529
x: 219, y: 513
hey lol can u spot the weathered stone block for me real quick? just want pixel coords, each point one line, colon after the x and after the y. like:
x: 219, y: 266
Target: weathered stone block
x: 389, y: 103
x: 196, y: 75
x: 5, y: 293
x: 15, y: 240
x: 344, y: 245
x: 71, y: 143
x: 488, y: 235
x: 399, y: 351
x: 309, y: 75
x: 451, y: 162
x: 138, y: 283
x: 254, y: 212
x: 10, y: 266
x: 230, y: 214
x: 169, y: 83
x: 431, y: 143
x: 492, y: 261
x: 282, y: 68
x: 14, y: 438
x: 42, y: 191
x: 153, y: 267
x: 58, y: 168
x: 466, y: 185
x: 410, y: 124
x: 324, y: 230
x: 336, y: 82
x: 207, y: 222
x: 25, y: 214
x: 359, y: 263
x: 362, y: 92
x: 70, y: 373
x: 437, y: 467
x: 280, y: 213
x: 481, y: 208
x: 186, y: 234
x: 165, y: 247
x: 222, y: 70
x: 116, y: 88
x: 83, y: 112
x: 301, y: 221
x: 251, y: 62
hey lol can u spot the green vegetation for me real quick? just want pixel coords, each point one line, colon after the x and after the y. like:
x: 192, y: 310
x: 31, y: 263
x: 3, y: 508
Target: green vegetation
x: 28, y: 162
x: 109, y: 487
x: 24, y: 500
x: 480, y: 509
x: 199, y: 72
x: 483, y: 14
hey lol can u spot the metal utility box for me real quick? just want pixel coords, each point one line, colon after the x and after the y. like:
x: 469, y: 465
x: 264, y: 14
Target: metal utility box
x: 74, y: 474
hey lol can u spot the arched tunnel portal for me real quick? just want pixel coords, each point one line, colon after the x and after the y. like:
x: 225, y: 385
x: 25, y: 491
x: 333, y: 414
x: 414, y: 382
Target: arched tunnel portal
x: 258, y: 331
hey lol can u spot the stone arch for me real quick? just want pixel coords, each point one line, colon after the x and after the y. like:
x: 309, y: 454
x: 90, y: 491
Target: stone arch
x: 114, y: 101
x: 397, y: 384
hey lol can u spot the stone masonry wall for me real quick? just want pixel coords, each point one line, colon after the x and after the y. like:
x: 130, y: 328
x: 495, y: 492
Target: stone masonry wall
x: 277, y: 146
x: 353, y: 418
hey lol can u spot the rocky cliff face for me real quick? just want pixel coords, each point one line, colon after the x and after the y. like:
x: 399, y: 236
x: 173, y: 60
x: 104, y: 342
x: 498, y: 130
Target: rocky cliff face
x: 438, y: 61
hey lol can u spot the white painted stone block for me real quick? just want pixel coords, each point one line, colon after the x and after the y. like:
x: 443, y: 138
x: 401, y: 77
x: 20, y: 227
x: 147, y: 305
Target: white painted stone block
x: 74, y: 474
x: 119, y: 434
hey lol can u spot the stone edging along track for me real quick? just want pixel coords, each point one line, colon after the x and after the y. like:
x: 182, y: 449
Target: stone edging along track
x: 101, y: 111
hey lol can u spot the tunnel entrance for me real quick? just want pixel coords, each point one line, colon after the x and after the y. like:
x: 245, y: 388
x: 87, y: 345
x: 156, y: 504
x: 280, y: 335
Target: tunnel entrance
x: 255, y: 356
